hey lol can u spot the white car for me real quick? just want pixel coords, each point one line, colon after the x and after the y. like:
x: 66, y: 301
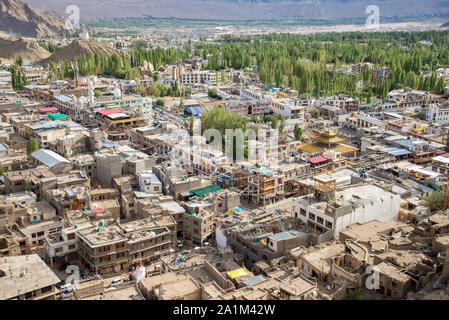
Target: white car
x: 116, y: 282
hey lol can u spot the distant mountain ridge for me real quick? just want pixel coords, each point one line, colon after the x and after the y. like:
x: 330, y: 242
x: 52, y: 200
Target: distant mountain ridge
x: 21, y: 18
x: 246, y: 9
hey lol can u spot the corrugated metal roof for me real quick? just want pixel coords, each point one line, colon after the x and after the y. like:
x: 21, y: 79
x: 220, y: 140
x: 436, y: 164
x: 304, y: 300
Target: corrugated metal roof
x: 64, y: 98
x: 48, y: 157
x: 205, y: 190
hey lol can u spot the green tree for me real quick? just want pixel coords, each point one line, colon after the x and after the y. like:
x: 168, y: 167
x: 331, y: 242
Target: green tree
x: 191, y: 123
x: 98, y: 93
x: 282, y: 125
x: 19, y: 61
x: 315, y: 113
x: 32, y: 146
x: 275, y: 122
x: 212, y: 93
x: 160, y: 102
x: 297, y: 132
x: 356, y: 294
x: 28, y: 184
x: 435, y: 200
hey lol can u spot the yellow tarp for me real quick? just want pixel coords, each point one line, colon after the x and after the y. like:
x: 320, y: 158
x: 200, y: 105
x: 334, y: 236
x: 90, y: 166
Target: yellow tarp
x: 238, y: 273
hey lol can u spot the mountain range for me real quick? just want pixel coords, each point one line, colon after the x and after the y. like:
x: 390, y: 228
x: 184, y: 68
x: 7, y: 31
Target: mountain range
x: 245, y: 9
x: 23, y: 19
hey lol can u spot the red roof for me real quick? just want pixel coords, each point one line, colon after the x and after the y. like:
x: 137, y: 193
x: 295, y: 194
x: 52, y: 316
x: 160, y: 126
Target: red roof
x: 328, y: 157
x: 98, y: 210
x: 107, y: 112
x: 446, y: 155
x: 48, y: 109
x: 317, y: 159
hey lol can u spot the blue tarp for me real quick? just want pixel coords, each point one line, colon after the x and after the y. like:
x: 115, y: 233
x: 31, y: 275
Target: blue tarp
x: 238, y: 209
x: 108, y: 143
x: 176, y: 262
x: 193, y: 111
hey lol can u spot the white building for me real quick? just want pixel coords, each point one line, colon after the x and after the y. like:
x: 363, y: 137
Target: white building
x: 192, y: 77
x: 437, y: 114
x: 352, y: 205
x: 58, y: 246
x: 149, y: 183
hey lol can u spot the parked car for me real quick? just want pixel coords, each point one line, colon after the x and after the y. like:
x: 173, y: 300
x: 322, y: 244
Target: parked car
x: 67, y: 293
x: 65, y: 287
x: 116, y: 282
x: 60, y: 284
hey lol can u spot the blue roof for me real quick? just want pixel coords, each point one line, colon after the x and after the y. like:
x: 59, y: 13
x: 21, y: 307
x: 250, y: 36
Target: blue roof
x: 406, y: 142
x: 108, y: 143
x: 195, y: 111
x: 396, y: 151
x: 255, y: 280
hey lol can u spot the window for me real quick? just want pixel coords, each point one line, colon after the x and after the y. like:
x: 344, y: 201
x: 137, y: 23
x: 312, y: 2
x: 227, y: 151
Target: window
x: 71, y: 236
x: 105, y: 248
x: 30, y: 295
x: 105, y: 258
x: 46, y: 289
x: 302, y: 211
x: 71, y: 247
x: 319, y: 220
x: 156, y: 188
x: 329, y: 224
x: 120, y: 245
x: 120, y: 255
x: 311, y: 216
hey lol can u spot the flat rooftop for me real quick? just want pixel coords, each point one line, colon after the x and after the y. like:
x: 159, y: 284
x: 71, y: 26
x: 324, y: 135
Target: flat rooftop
x: 22, y: 274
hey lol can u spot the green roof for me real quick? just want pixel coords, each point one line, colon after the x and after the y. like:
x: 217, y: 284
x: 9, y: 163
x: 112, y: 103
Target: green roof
x: 205, y: 190
x: 57, y: 116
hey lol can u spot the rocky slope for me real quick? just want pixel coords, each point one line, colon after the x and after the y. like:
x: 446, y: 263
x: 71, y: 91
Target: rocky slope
x: 22, y: 19
x: 10, y: 49
x: 80, y: 47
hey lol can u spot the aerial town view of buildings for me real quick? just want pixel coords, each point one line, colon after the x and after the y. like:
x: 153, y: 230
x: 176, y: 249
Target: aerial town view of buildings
x: 111, y: 189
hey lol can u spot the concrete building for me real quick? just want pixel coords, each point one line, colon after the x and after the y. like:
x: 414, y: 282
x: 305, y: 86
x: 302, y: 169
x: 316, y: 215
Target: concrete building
x: 329, y: 209
x: 27, y: 277
x: 149, y: 183
x: 52, y: 160
x: 193, y: 77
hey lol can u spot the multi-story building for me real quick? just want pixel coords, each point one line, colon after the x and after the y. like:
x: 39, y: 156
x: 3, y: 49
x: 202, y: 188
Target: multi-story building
x: 198, y: 225
x: 112, y: 247
x: 27, y: 277
x: 62, y: 246
x: 69, y: 199
x: 149, y: 183
x: 437, y: 113
x: 331, y: 210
